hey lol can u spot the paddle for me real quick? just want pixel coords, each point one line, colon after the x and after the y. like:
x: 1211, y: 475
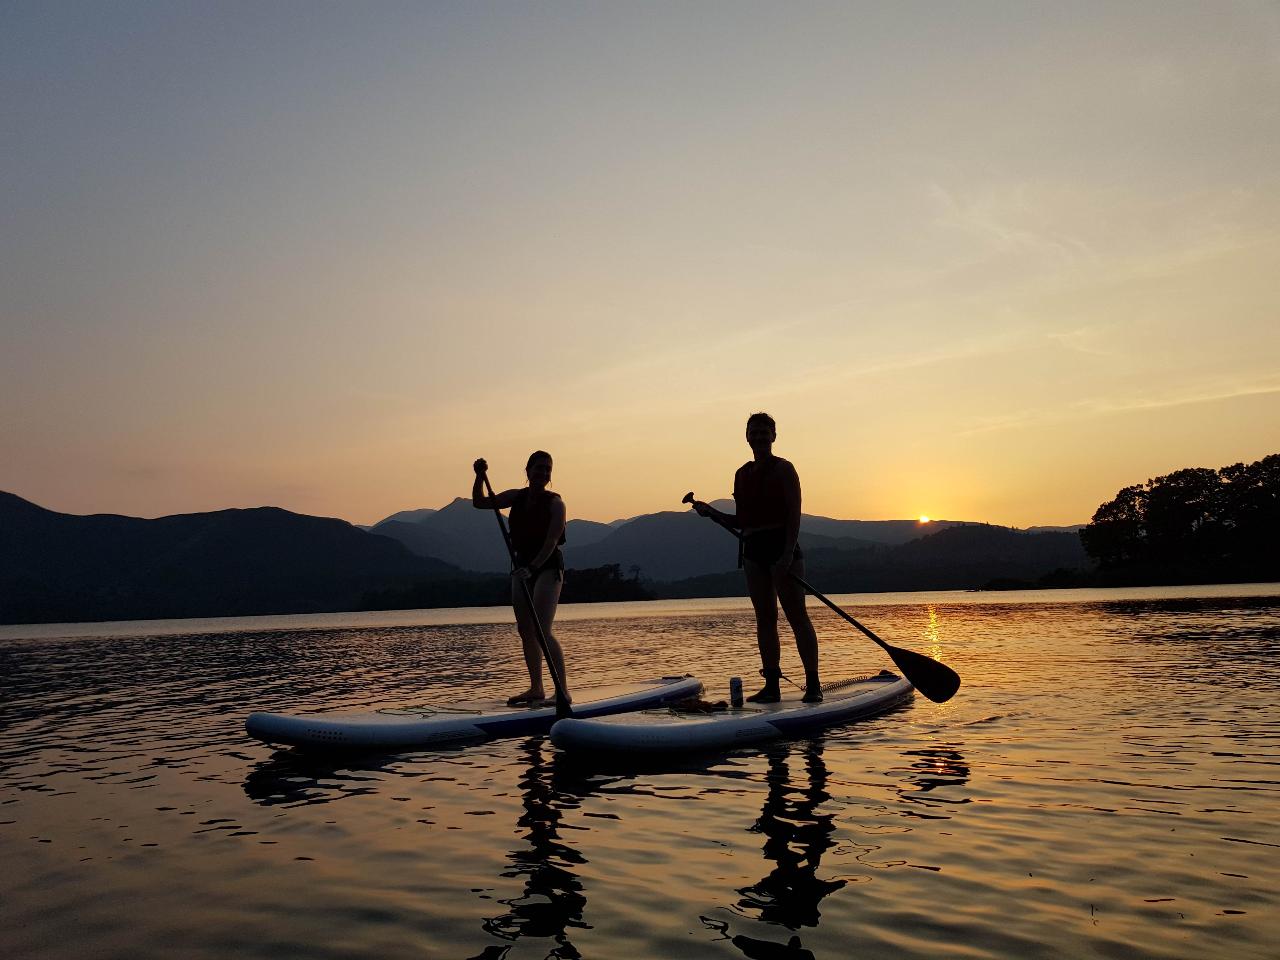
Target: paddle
x: 935, y: 680
x: 562, y: 699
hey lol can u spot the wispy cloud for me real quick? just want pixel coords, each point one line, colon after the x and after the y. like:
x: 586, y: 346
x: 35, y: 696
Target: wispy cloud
x: 1092, y: 340
x: 1207, y: 394
x: 1101, y: 406
x: 1055, y: 229
x: 1020, y: 217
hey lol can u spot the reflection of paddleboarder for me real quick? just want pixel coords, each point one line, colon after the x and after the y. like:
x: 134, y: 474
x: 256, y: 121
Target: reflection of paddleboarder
x: 766, y: 491
x: 796, y: 834
x: 537, y: 530
x: 552, y: 900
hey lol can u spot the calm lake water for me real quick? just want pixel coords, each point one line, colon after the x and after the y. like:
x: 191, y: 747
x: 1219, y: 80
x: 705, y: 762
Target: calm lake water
x: 1105, y: 784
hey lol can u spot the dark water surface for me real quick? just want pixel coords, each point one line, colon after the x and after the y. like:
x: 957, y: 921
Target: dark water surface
x: 1106, y: 784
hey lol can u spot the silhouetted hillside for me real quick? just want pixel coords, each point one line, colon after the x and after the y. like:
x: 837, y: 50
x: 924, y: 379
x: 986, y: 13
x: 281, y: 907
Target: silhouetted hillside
x: 866, y: 531
x: 409, y: 516
x: 598, y: 585
x: 59, y: 567
x: 457, y: 533
x: 957, y: 558
x: 677, y: 545
x: 468, y: 538
x: 890, y: 532
x: 583, y: 532
x: 665, y: 546
x: 417, y: 538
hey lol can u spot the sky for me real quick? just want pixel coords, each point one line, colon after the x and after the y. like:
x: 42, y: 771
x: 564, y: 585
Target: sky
x: 981, y: 261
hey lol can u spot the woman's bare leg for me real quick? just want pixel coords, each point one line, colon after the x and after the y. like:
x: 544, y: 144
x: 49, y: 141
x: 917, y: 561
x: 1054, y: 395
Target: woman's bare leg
x: 546, y: 600
x: 791, y: 596
x: 528, y: 642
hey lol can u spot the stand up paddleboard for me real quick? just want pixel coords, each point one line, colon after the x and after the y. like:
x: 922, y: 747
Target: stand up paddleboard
x: 431, y: 724
x: 671, y: 732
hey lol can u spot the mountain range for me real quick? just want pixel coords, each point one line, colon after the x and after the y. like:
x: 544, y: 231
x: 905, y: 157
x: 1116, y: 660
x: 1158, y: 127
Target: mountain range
x: 460, y: 534
x: 60, y: 567
x: 664, y: 546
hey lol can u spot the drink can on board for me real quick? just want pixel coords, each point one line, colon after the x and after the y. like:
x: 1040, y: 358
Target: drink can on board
x: 735, y: 691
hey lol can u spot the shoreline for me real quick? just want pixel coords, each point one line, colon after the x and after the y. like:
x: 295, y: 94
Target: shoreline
x: 609, y: 610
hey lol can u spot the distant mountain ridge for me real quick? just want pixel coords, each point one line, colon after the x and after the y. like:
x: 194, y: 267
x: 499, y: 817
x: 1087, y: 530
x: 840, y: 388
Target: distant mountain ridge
x: 961, y: 557
x: 466, y: 537
x: 411, y: 516
x: 61, y: 567
x: 667, y: 545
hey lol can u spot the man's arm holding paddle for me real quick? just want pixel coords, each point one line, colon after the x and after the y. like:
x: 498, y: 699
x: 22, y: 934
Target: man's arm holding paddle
x: 704, y: 509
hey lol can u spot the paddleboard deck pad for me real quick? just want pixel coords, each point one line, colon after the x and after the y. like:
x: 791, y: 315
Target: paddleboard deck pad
x: 669, y: 731
x: 442, y: 723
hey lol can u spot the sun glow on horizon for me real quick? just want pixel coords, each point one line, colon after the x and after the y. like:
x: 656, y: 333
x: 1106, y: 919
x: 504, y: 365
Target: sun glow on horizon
x: 923, y: 518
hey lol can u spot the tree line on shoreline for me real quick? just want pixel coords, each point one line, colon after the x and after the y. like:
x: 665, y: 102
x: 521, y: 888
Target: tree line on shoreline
x: 1196, y: 525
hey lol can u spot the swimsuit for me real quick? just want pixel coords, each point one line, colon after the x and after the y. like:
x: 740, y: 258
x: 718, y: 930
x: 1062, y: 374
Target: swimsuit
x: 765, y: 547
x: 530, y: 519
x: 760, y: 493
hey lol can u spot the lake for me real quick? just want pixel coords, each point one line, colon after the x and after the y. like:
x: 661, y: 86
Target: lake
x: 1105, y: 784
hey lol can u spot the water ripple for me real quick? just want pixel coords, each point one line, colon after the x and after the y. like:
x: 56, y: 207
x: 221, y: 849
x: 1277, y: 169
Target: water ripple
x: 1105, y: 784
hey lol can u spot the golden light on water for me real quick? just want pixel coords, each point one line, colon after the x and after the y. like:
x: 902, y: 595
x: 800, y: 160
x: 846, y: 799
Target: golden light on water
x: 932, y: 635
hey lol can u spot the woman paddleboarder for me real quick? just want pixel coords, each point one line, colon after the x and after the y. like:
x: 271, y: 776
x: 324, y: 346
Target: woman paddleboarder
x: 766, y: 491
x: 537, y: 531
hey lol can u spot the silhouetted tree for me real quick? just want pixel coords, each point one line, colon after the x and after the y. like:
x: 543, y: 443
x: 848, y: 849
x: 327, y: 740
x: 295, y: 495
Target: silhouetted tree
x: 1117, y: 533
x: 600, y: 584
x: 1183, y: 515
x: 1191, y: 524
x: 1252, y: 507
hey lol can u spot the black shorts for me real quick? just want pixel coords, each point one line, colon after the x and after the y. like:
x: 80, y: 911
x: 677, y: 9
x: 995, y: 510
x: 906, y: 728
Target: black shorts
x: 765, y: 547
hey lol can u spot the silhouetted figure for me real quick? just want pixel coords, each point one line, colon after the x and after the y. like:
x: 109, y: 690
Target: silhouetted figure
x: 796, y: 836
x: 766, y: 492
x: 537, y: 531
x: 755, y: 949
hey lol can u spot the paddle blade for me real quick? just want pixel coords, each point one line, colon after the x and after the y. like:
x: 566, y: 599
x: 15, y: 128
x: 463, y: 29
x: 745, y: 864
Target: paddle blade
x: 935, y: 680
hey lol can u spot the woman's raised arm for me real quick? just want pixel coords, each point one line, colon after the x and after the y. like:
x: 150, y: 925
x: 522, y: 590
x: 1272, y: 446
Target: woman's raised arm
x: 479, y: 500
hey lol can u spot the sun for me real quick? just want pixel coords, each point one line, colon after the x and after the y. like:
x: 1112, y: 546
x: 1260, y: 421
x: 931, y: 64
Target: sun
x: 923, y: 518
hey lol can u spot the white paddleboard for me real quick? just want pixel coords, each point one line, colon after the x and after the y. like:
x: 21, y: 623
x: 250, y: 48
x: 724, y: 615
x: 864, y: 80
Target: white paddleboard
x: 668, y: 731
x: 443, y: 722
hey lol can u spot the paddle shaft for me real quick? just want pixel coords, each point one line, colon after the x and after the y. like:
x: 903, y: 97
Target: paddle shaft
x: 562, y: 699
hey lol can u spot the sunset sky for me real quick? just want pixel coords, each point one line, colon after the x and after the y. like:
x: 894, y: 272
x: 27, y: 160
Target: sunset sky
x: 982, y: 261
